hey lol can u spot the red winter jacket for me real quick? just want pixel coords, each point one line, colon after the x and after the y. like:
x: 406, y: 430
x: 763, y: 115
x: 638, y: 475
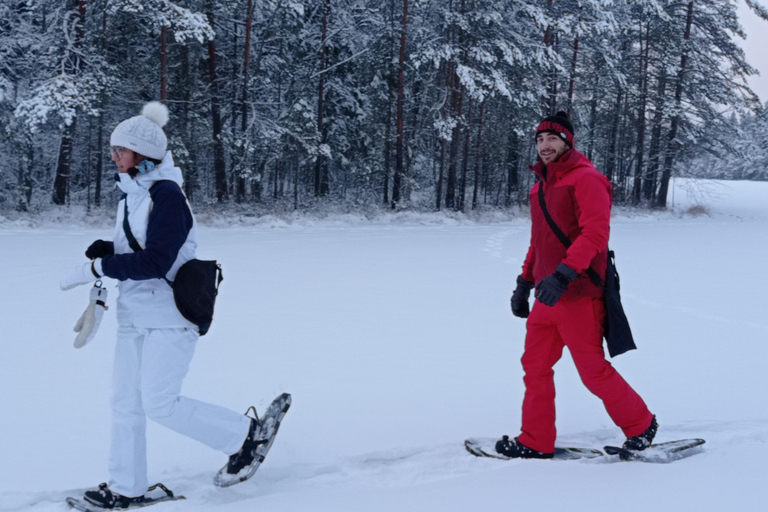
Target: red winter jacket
x: 578, y: 198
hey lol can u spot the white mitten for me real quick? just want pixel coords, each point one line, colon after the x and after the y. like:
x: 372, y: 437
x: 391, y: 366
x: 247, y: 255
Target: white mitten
x: 81, y: 274
x: 90, y: 320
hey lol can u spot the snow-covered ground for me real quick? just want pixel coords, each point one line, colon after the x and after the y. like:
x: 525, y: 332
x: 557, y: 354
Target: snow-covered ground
x: 396, y: 342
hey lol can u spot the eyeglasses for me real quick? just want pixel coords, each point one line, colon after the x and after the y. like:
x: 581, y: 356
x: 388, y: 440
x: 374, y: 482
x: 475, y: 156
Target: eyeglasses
x: 117, y: 150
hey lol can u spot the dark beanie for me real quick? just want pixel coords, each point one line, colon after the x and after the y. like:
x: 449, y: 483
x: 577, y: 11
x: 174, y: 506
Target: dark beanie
x: 559, y: 125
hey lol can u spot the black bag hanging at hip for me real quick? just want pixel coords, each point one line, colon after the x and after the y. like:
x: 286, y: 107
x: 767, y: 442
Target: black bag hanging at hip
x: 616, y: 331
x: 195, y: 287
x: 618, y: 335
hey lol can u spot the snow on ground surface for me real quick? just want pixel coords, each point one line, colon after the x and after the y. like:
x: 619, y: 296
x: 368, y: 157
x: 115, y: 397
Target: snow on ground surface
x: 396, y: 341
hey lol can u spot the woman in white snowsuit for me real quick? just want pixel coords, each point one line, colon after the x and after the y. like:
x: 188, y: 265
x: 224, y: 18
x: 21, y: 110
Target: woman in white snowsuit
x: 155, y: 343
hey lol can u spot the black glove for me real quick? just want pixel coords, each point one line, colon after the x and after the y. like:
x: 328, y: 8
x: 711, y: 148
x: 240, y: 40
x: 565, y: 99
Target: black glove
x: 551, y: 288
x: 99, y: 249
x: 519, y: 300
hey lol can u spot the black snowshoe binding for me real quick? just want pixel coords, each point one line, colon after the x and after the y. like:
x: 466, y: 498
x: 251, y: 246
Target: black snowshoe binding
x: 243, y: 464
x: 247, y: 453
x: 104, y: 498
x: 514, y: 449
x: 644, y: 440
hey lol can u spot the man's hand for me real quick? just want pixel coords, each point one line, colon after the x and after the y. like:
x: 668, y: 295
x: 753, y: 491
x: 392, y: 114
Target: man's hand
x: 519, y: 300
x: 551, y: 288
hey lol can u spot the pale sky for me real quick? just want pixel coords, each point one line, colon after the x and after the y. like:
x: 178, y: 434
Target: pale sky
x: 756, y: 47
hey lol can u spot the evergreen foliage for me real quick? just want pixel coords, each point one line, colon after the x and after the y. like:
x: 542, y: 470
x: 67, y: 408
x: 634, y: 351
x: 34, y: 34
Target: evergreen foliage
x: 417, y: 104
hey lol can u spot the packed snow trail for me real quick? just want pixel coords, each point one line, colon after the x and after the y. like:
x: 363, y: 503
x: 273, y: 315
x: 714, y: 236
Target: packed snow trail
x: 396, y: 341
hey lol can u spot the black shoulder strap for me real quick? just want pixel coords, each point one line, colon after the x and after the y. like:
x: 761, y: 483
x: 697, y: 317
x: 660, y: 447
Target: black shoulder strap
x: 132, y: 242
x: 554, y: 227
x: 593, y: 275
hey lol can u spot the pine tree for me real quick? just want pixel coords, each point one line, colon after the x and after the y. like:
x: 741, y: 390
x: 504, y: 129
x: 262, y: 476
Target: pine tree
x: 410, y: 104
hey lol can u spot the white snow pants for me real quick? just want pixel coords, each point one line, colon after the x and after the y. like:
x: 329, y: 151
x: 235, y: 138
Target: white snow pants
x: 150, y: 365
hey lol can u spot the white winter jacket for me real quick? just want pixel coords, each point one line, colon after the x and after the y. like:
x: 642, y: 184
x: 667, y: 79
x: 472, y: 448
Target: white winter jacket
x: 163, y: 225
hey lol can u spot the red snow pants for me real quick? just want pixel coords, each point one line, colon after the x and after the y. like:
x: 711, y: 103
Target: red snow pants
x: 576, y: 323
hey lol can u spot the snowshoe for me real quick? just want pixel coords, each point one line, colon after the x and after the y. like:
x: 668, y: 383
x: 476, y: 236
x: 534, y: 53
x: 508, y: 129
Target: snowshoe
x: 98, y: 500
x: 243, y: 464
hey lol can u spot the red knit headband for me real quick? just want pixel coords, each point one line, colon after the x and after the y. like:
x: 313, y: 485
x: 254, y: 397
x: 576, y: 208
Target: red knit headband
x: 551, y: 126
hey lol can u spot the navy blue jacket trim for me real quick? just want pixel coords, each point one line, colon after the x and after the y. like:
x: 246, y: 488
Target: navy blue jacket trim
x: 168, y: 227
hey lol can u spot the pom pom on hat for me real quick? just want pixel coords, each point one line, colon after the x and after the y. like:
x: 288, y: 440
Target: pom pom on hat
x: 143, y: 134
x: 156, y: 112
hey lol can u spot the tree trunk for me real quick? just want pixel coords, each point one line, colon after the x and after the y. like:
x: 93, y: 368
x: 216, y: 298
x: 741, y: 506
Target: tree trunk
x: 163, y: 63
x: 592, y: 121
x: 73, y: 65
x: 390, y: 101
x: 610, y: 167
x: 219, y: 164
x: 236, y: 164
x: 100, y: 125
x: 623, y: 147
x: 513, y: 160
x: 593, y: 109
x: 99, y: 172
x: 399, y: 147
x: 414, y: 135
x: 457, y: 95
x: 547, y: 85
x: 61, y: 182
x: 572, y: 81
x: 321, y: 164
x: 465, y: 158
x: 296, y: 166
x: 244, y: 102
x: 88, y: 165
x: 478, y: 154
x: 439, y: 191
x: 672, y: 143
x: 191, y: 175
x: 27, y: 181
x: 388, y: 145
x: 281, y: 172
x: 447, y: 73
x: 640, y: 147
x: 553, y: 79
x: 654, y: 152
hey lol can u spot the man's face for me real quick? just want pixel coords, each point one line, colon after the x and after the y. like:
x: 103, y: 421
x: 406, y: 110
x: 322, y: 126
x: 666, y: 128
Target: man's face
x: 550, y: 147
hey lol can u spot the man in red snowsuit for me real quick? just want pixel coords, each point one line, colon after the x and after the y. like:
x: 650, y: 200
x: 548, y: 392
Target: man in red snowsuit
x: 569, y: 309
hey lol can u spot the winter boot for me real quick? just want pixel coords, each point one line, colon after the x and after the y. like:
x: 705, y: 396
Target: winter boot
x: 104, y: 498
x: 514, y: 449
x: 644, y: 440
x: 247, y: 453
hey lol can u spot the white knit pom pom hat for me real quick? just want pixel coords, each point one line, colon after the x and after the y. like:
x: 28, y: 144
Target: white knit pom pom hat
x: 143, y: 134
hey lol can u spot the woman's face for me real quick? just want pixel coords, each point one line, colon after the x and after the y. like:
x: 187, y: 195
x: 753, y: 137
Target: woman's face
x: 124, y: 158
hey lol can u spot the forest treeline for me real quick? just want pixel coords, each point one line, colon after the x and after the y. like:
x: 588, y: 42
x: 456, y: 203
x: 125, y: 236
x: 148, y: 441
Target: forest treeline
x: 420, y: 104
